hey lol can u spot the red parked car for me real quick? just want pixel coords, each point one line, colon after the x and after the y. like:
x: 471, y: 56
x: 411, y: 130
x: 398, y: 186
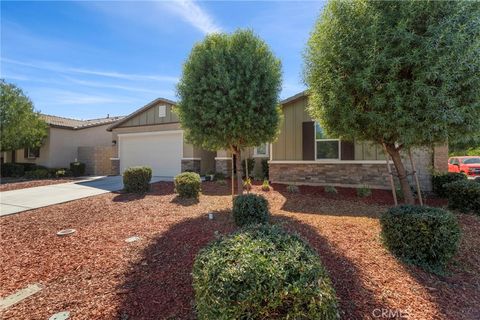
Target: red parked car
x: 467, y: 165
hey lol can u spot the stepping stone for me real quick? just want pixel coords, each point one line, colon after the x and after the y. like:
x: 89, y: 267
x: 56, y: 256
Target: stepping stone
x: 60, y: 316
x: 132, y: 239
x: 19, y: 295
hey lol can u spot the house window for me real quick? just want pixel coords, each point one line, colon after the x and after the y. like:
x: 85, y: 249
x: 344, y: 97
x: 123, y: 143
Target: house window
x: 162, y: 111
x: 261, y: 150
x: 326, y: 147
x: 33, y: 153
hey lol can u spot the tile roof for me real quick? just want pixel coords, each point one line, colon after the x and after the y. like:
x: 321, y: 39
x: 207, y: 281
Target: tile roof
x: 75, y: 124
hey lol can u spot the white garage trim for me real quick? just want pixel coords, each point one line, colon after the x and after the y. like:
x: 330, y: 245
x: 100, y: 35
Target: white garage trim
x: 148, y: 133
x: 133, y: 149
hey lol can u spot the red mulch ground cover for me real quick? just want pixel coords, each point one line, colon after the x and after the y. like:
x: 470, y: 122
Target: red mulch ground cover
x: 95, y: 274
x: 7, y: 186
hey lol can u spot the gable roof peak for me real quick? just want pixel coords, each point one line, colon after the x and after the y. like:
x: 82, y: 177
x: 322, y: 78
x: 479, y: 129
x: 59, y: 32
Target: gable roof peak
x: 140, y: 110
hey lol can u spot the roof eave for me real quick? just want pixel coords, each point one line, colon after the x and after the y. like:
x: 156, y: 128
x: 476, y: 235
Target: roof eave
x: 138, y: 111
x: 294, y: 97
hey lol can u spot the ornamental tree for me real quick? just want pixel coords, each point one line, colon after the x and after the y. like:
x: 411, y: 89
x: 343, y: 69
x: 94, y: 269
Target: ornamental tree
x: 229, y: 94
x: 20, y: 124
x: 399, y: 73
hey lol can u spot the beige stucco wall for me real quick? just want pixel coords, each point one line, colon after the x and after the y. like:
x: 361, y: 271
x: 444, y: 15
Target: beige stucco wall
x: 43, y: 160
x: 64, y: 143
x: 61, y: 145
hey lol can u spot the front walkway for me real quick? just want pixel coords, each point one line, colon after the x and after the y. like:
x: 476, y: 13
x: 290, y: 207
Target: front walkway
x: 31, y: 198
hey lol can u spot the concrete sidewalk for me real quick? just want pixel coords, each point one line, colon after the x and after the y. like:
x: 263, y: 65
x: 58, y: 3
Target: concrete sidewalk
x: 31, y: 198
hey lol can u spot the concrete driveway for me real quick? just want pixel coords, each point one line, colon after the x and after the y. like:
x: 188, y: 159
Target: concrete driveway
x: 31, y: 198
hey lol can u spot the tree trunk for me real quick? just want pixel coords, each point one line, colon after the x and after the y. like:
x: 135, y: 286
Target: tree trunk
x: 14, y: 156
x: 238, y: 164
x: 402, y: 173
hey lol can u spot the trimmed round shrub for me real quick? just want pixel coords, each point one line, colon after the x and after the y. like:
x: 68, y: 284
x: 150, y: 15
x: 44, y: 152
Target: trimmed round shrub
x: 188, y: 185
x: 250, y: 209
x: 77, y: 168
x: 464, y: 195
x: 137, y: 179
x: 261, y: 272
x: 424, y: 236
x: 439, y: 180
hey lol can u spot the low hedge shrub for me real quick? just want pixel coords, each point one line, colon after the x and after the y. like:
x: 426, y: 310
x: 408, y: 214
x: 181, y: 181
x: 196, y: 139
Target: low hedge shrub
x: 464, y: 195
x: 219, y: 176
x: 37, y: 174
x: 261, y: 272
x: 439, y: 180
x: 77, y: 168
x: 364, y: 191
x: 331, y: 189
x: 137, y: 179
x: 292, y: 188
x: 14, y: 170
x: 424, y: 236
x: 250, y: 209
x: 188, y: 184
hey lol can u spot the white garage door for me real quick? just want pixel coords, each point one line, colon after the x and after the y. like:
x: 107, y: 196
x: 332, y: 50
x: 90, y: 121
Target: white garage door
x: 161, y: 151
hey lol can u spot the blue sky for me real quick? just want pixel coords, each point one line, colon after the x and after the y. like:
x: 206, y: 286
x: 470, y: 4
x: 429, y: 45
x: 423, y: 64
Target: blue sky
x: 89, y: 59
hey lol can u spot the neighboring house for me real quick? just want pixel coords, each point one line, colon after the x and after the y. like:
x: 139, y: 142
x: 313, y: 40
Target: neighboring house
x: 152, y: 136
x: 67, y: 140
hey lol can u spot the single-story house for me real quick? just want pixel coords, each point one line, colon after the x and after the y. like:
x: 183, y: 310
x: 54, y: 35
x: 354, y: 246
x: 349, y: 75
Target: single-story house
x: 302, y: 154
x: 70, y: 139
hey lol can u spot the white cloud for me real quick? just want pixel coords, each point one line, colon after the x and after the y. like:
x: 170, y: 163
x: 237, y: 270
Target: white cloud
x: 193, y: 14
x: 47, y: 96
x: 110, y: 74
x: 97, y: 84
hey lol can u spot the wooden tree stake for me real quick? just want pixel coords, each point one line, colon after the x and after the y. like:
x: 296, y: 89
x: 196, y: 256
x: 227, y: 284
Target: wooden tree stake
x: 232, y: 177
x: 246, y: 173
x: 392, y: 183
x: 419, y: 192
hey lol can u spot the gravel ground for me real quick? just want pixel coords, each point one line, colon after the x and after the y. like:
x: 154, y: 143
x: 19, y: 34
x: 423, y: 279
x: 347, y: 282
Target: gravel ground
x: 95, y: 274
x: 22, y: 184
